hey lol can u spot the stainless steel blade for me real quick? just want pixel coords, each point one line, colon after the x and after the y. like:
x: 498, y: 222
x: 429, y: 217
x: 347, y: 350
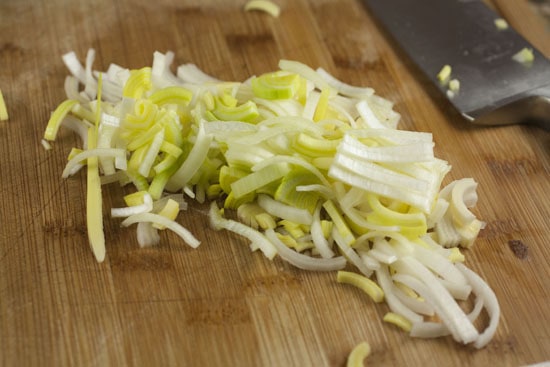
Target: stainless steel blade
x: 494, y: 89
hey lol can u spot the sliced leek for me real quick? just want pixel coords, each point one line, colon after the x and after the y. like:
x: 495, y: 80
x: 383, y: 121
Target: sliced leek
x: 315, y: 168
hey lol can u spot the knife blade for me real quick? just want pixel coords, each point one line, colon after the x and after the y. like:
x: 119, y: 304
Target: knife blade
x: 494, y: 88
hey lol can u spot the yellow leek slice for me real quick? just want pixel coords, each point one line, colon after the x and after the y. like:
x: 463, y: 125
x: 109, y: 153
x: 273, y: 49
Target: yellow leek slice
x: 258, y: 179
x: 263, y: 5
x: 171, y: 95
x: 3, y: 109
x: 358, y: 354
x: 170, y: 210
x: 398, y: 320
x: 138, y: 83
x: 362, y: 282
x: 57, y: 118
x: 94, y: 214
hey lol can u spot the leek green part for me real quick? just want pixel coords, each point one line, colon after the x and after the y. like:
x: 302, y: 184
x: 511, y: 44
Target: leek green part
x: 94, y: 214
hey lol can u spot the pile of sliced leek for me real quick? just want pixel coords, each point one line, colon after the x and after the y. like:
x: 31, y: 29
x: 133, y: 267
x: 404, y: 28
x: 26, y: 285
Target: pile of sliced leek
x: 305, y: 167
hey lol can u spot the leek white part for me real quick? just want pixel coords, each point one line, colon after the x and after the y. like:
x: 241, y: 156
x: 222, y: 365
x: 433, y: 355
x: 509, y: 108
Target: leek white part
x: 255, y: 237
x: 306, y: 72
x: 147, y: 206
x: 368, y: 116
x: 319, y: 240
x: 344, y: 88
x: 350, y: 253
x: 147, y: 235
x: 304, y: 261
x: 90, y: 85
x: 190, y: 73
x: 446, y: 307
x: 283, y: 211
x: 91, y: 153
x: 394, y: 303
x: 75, y: 67
x: 193, y: 162
x: 483, y: 291
x: 151, y: 155
x: 163, y: 221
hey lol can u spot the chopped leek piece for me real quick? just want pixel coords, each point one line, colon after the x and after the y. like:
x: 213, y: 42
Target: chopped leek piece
x: 524, y: 56
x: 398, y: 320
x: 363, y: 283
x: 358, y: 354
x: 263, y: 5
x: 501, y: 24
x: 444, y: 73
x: 3, y: 109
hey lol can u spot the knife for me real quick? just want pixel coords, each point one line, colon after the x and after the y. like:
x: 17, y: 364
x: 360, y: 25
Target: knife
x: 494, y: 88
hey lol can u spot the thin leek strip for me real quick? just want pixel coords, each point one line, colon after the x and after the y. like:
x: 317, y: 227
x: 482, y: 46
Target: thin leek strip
x: 291, y: 160
x: 151, y: 155
x: 410, y: 152
x: 90, y: 86
x: 163, y: 221
x: 252, y: 182
x: 57, y: 117
x: 194, y: 160
x: 484, y: 292
x: 71, y: 89
x: 306, y: 72
x: 80, y: 127
x: 145, y: 207
x: 413, y: 198
x: 317, y: 235
x: 144, y: 137
x: 339, y: 222
x: 171, y: 149
x: 413, y: 302
x: 394, y: 303
x: 461, y: 328
x: 94, y: 215
x: 344, y: 88
x: 304, y: 261
x: 368, y: 116
x: 322, y: 105
x: 378, y: 173
x: 91, y: 153
x: 358, y: 355
x: 284, y: 211
x: 350, y: 253
x: 314, y: 146
x: 363, y: 283
x: 322, y: 190
x: 218, y: 222
x: 192, y: 74
x: 398, y: 320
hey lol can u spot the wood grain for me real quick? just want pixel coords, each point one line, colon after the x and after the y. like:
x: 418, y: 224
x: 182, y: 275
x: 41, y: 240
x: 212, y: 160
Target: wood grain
x: 220, y: 304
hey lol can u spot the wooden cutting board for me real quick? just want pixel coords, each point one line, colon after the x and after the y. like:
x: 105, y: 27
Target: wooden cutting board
x: 221, y: 305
